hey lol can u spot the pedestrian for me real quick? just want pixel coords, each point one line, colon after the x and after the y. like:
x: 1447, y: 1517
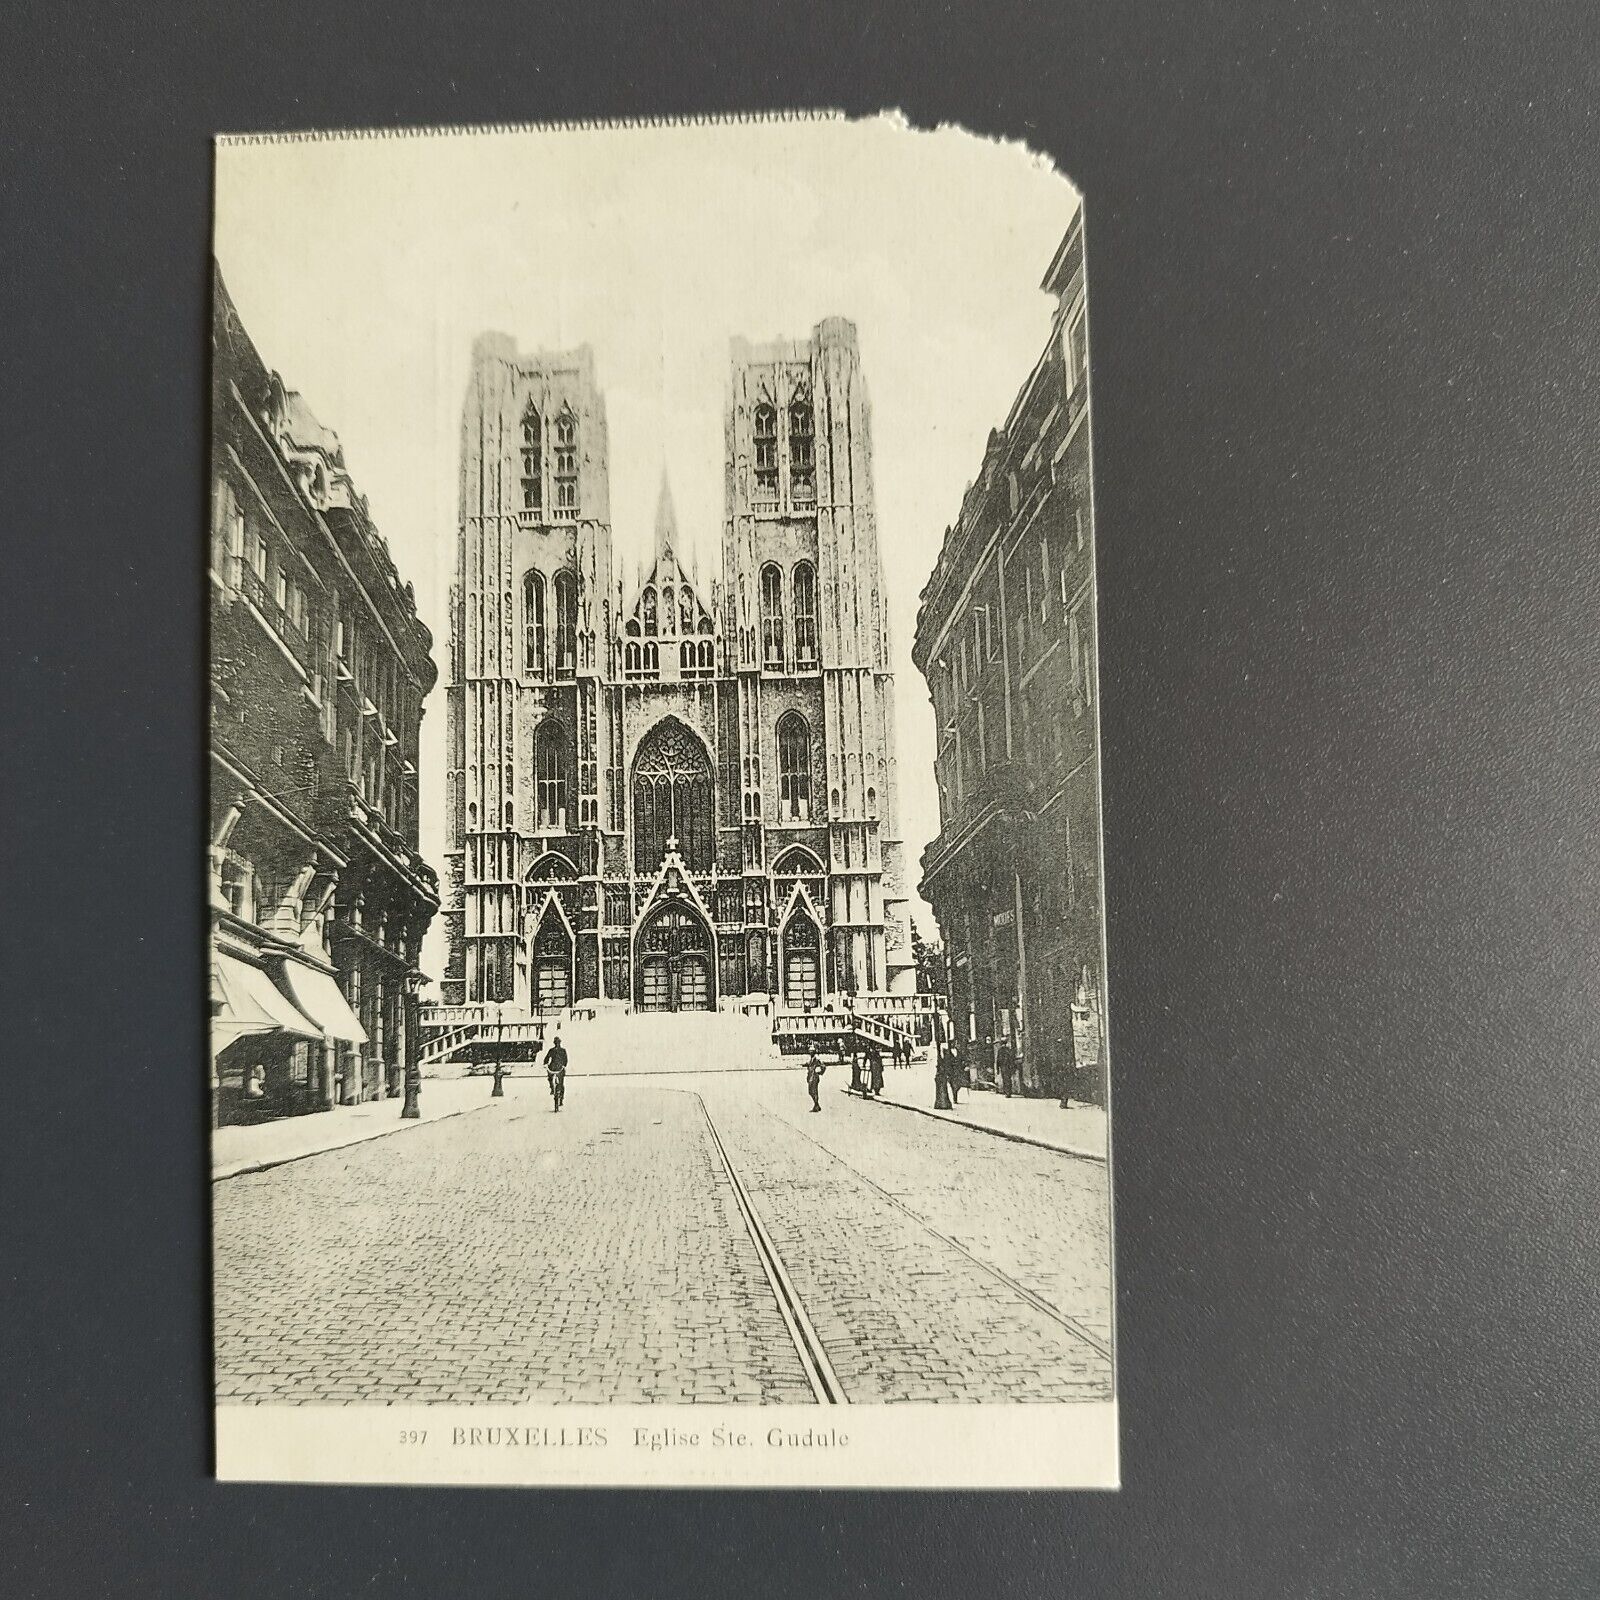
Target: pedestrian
x: 874, y: 1072
x: 1005, y: 1064
x: 814, y: 1071
x: 941, y: 1080
x: 956, y: 1072
x: 555, y: 1070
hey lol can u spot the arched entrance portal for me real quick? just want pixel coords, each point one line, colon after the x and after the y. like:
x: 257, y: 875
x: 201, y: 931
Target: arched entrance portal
x: 802, y: 951
x: 674, y: 962
x: 552, y: 965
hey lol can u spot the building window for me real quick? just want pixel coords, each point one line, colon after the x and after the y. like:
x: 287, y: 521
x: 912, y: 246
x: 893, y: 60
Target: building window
x: 566, y: 624
x: 1082, y: 667
x: 696, y: 659
x: 1078, y: 351
x: 533, y: 624
x: 566, y: 467
x: 532, y: 461
x: 794, y: 768
x: 238, y: 887
x: 802, y: 452
x: 685, y: 611
x: 1044, y: 571
x: 766, y: 437
x: 550, y: 753
x: 647, y: 607
x: 805, y: 614
x: 672, y: 799
x: 772, y: 617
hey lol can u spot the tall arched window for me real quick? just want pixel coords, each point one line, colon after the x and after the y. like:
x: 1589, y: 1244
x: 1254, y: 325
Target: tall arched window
x: 669, y: 611
x: 805, y: 614
x: 794, y: 768
x: 647, y: 607
x: 686, y: 611
x: 532, y: 460
x: 672, y: 798
x: 566, y: 467
x: 802, y: 452
x: 566, y: 624
x: 766, y: 440
x: 533, y: 654
x: 772, y: 616
x: 550, y: 763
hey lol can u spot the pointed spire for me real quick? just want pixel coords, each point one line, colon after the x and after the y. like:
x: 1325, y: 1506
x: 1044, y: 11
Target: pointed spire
x: 666, y: 519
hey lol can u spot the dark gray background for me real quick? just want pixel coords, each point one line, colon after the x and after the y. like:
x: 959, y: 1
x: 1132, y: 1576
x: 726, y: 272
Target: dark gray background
x: 1344, y: 271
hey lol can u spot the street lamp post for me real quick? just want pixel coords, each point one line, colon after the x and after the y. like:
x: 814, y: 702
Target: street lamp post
x: 412, y: 1108
x: 498, y: 1092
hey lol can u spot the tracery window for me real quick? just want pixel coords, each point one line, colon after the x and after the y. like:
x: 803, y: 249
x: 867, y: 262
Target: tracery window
x: 794, y: 768
x: 566, y: 624
x: 805, y: 614
x: 766, y: 440
x: 647, y: 607
x: 686, y: 611
x: 566, y: 467
x: 551, y: 759
x: 533, y: 654
x: 772, y: 616
x: 532, y: 460
x: 696, y: 659
x: 672, y: 798
x: 802, y: 452
x: 669, y: 611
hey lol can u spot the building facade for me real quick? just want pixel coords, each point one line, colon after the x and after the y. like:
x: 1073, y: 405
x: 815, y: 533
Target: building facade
x: 1006, y: 640
x: 665, y: 793
x: 319, y: 668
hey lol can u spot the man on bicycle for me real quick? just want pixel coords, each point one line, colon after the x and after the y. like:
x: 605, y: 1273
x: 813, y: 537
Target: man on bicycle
x: 555, y: 1070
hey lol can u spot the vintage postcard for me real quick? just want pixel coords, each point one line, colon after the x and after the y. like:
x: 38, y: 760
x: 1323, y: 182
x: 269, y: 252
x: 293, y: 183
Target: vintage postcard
x: 657, y: 976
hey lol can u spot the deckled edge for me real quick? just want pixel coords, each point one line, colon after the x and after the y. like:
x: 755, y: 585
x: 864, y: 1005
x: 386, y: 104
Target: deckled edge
x: 446, y: 130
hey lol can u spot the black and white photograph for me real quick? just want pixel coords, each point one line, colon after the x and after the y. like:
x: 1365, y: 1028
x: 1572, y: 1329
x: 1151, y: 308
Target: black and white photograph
x: 657, y: 963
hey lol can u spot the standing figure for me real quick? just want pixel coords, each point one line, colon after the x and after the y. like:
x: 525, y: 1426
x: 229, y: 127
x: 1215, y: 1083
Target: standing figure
x: 1006, y: 1066
x: 874, y: 1072
x: 956, y: 1075
x: 555, y: 1070
x: 814, y: 1071
x: 941, y: 1080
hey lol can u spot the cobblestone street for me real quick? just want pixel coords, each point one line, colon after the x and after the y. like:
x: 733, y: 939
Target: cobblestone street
x: 602, y: 1255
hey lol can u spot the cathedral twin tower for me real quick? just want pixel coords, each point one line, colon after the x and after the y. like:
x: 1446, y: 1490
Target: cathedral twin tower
x: 679, y: 797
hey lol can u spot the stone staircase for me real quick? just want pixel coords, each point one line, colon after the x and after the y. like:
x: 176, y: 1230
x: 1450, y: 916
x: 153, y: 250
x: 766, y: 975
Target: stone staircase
x: 614, y: 1042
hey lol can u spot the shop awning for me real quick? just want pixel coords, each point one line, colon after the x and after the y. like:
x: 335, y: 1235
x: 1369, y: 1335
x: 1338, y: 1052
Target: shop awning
x: 318, y: 996
x: 250, y: 1002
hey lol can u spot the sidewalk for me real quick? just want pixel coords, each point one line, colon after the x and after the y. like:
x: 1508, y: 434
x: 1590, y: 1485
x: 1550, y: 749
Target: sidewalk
x: 236, y: 1150
x: 1078, y: 1132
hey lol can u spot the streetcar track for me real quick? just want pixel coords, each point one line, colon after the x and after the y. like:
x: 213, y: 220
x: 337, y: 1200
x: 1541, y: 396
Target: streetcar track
x: 1037, y: 1301
x: 818, y: 1369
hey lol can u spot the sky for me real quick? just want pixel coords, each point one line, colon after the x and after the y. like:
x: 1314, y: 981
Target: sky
x: 363, y: 268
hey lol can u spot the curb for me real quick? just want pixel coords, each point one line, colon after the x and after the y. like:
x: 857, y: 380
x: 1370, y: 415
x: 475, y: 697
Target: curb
x: 244, y: 1169
x: 984, y: 1127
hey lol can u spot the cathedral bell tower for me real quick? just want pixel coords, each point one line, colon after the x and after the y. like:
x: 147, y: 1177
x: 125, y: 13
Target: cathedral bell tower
x: 805, y: 625
x: 527, y: 724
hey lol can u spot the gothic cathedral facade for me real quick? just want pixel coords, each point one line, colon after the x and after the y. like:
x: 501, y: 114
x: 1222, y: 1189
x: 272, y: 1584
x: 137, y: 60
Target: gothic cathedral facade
x: 669, y: 795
